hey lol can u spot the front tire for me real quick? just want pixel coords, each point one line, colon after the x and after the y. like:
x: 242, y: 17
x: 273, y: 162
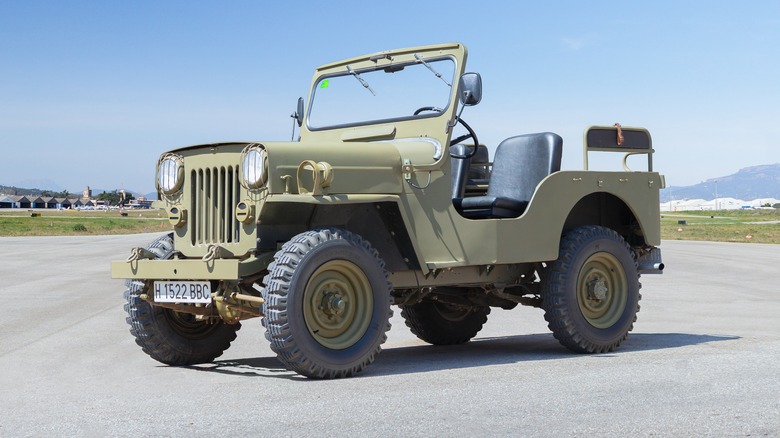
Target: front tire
x: 590, y: 294
x: 171, y: 337
x: 327, y: 304
x: 444, y: 324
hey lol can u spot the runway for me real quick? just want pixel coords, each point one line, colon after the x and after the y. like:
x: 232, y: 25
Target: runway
x: 702, y: 360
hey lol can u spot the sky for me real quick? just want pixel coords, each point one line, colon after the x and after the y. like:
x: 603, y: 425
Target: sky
x: 92, y: 92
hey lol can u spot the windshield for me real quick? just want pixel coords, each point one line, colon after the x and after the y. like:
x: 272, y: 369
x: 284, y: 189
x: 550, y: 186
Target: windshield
x: 395, y: 92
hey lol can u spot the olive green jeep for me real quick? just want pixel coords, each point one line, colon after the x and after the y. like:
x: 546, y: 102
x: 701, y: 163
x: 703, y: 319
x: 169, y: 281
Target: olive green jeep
x: 388, y: 198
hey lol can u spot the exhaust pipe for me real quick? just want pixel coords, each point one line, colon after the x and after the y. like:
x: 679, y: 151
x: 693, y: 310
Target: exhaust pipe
x: 649, y: 261
x: 651, y: 268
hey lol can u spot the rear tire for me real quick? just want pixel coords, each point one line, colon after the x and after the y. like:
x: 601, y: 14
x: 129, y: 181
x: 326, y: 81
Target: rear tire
x: 444, y: 324
x: 590, y: 294
x: 171, y: 337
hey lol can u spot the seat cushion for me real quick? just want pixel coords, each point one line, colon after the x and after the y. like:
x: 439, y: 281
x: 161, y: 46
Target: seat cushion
x: 481, y: 207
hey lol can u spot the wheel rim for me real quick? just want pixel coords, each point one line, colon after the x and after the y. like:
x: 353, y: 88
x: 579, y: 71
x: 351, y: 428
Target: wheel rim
x: 338, y: 304
x: 602, y: 290
x: 451, y: 312
x: 188, y: 326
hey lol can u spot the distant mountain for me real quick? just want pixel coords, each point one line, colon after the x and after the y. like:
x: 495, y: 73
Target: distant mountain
x: 40, y: 183
x: 749, y: 183
x: 13, y: 190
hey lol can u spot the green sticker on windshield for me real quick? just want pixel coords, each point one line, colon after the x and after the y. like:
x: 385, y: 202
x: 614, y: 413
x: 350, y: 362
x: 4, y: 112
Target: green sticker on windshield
x: 325, y: 83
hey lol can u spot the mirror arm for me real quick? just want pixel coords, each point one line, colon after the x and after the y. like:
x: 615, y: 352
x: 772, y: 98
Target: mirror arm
x: 295, y: 122
x: 450, y: 124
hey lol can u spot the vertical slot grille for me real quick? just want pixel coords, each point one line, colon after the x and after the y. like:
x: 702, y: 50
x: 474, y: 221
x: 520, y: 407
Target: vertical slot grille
x: 215, y: 192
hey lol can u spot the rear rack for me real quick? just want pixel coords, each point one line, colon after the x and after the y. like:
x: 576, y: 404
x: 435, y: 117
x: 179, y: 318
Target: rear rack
x: 616, y: 138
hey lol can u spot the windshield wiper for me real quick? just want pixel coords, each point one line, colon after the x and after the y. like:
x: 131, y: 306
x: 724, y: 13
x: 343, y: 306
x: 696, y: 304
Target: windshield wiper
x: 361, y: 80
x: 438, y: 75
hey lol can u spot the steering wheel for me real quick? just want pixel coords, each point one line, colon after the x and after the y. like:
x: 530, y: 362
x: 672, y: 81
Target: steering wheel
x: 471, y: 134
x: 427, y: 108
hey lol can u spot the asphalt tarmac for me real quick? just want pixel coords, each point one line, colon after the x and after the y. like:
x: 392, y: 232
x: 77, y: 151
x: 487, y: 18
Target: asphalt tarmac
x: 703, y: 360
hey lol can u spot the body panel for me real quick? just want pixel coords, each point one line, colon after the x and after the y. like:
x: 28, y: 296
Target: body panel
x: 402, y: 162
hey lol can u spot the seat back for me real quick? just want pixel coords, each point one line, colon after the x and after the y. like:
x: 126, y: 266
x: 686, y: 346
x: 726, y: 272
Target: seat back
x: 480, y: 165
x: 521, y: 162
x: 459, y: 167
x: 465, y: 171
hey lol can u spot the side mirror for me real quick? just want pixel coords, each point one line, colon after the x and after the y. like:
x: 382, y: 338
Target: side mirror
x: 470, y: 89
x: 299, y: 112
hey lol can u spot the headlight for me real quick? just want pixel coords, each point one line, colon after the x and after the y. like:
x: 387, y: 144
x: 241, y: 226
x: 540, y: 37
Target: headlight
x: 255, y: 166
x: 170, y: 173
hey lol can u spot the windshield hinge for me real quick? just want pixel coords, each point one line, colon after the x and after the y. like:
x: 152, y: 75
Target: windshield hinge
x: 407, y: 169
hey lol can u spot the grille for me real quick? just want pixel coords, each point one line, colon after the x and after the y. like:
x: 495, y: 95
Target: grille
x: 215, y: 192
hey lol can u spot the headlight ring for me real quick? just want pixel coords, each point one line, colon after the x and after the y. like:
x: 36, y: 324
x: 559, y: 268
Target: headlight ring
x: 170, y: 173
x: 254, y: 166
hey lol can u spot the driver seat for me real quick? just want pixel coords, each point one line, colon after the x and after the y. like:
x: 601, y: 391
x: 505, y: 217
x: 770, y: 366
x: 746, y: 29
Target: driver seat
x: 519, y: 165
x: 465, y: 171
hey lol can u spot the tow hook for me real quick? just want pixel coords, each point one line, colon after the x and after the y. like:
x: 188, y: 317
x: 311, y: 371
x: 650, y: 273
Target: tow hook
x: 215, y: 252
x: 140, y: 253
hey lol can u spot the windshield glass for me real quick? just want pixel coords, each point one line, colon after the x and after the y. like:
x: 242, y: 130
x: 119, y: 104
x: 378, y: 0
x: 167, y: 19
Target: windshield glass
x: 381, y: 94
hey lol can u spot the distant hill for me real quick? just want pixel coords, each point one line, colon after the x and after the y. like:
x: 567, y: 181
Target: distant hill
x: 13, y: 190
x: 749, y: 183
x: 44, y: 183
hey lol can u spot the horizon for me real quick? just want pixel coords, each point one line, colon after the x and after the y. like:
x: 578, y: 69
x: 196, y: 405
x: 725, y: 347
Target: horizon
x: 667, y: 190
x: 71, y: 193
x: 93, y: 94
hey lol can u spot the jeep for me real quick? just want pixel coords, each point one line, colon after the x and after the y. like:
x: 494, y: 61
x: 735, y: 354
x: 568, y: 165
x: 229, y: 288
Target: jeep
x: 386, y: 198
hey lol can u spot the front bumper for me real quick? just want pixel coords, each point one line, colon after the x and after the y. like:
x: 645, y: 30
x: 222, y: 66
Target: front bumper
x: 218, y: 269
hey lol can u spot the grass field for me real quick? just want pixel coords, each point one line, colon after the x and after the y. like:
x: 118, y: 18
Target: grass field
x: 21, y: 222
x: 758, y: 226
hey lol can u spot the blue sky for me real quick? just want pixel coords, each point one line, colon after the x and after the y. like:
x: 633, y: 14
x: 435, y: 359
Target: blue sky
x: 91, y: 93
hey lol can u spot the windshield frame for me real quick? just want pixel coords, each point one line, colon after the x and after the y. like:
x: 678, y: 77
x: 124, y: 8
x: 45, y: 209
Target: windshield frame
x: 349, y: 70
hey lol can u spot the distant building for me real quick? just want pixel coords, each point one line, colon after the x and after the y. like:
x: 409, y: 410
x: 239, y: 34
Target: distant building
x: 140, y: 202
x: 15, y: 201
x: 47, y: 202
x: 7, y: 201
x: 72, y: 202
x: 715, y: 204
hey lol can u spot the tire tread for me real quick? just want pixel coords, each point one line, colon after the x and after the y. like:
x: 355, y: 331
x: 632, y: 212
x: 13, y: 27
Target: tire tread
x: 276, y: 321
x: 557, y: 309
x: 145, y: 320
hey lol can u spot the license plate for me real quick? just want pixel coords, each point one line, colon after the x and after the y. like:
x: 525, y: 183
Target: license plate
x: 182, y: 292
